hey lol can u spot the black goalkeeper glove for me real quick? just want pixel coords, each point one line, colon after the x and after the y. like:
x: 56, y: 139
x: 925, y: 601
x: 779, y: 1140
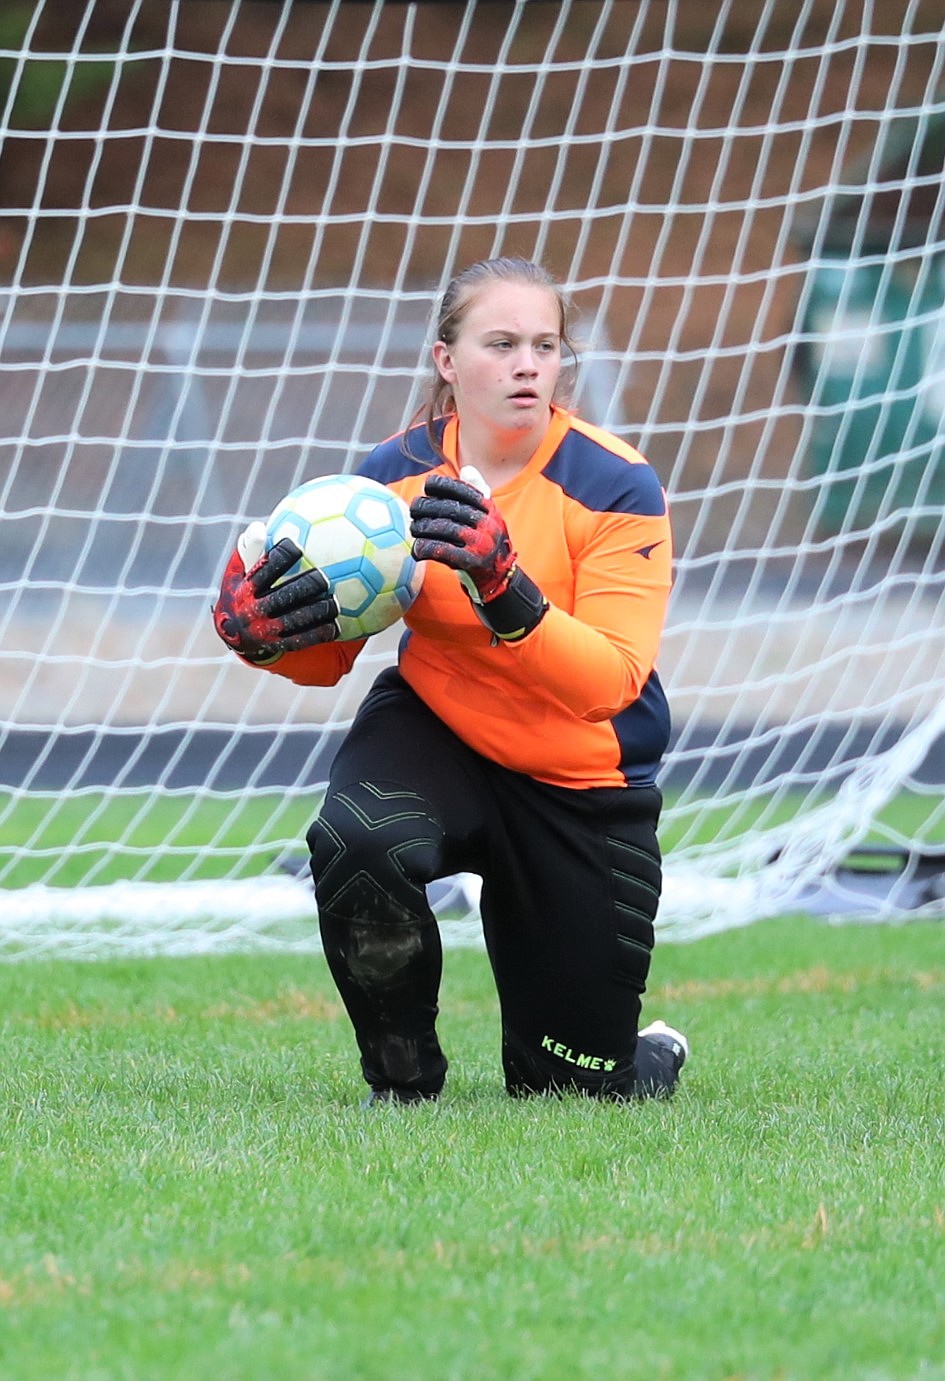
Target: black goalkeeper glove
x: 262, y: 623
x: 455, y: 524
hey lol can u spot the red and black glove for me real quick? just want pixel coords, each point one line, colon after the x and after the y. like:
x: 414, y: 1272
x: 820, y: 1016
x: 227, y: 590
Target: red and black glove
x: 261, y: 623
x: 453, y: 523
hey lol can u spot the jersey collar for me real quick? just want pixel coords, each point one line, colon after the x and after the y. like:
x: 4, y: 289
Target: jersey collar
x: 555, y: 432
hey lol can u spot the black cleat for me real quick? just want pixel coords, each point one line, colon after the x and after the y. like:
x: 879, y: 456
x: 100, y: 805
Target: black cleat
x: 661, y: 1053
x: 661, y: 1034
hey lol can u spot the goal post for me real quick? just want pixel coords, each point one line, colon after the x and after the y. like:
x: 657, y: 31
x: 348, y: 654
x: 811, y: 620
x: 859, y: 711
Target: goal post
x: 223, y: 229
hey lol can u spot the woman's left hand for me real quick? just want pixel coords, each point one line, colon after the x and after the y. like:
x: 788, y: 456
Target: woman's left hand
x: 453, y: 523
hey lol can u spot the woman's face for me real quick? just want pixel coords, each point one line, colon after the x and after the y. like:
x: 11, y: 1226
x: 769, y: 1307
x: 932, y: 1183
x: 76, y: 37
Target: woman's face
x: 504, y: 364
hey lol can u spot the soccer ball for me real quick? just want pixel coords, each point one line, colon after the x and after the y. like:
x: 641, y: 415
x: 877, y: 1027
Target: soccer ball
x: 358, y: 532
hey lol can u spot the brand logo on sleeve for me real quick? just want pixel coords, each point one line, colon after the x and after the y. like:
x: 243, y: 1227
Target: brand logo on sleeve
x: 646, y: 552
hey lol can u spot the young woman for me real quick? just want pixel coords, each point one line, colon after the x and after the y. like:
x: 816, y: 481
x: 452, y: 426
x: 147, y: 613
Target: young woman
x: 520, y: 734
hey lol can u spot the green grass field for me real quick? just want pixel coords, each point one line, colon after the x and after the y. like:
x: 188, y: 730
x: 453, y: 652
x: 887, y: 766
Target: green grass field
x: 66, y: 840
x: 190, y: 1189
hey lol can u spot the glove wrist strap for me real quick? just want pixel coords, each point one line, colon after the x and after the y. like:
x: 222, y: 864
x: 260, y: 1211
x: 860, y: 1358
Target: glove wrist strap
x: 515, y: 612
x: 261, y: 659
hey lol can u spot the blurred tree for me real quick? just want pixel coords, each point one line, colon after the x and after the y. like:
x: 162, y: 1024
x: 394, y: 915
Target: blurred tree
x: 30, y: 90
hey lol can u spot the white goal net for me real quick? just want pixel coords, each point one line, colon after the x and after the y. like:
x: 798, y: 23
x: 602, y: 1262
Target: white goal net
x: 222, y: 231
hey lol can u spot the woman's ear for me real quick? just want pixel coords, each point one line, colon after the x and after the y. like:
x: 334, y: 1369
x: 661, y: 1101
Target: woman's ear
x: 444, y: 361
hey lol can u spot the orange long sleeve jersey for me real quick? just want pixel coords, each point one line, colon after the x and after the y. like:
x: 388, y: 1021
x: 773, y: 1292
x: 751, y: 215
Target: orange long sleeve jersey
x: 578, y: 702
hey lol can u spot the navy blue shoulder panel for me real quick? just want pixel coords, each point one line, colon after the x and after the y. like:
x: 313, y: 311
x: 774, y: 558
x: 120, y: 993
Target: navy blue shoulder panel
x: 390, y: 461
x: 603, y: 482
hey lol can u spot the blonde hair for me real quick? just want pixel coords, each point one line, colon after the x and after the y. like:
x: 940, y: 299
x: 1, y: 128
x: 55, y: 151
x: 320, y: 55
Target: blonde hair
x: 461, y: 292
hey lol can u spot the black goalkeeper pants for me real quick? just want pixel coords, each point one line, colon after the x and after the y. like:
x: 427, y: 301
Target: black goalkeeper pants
x: 570, y: 887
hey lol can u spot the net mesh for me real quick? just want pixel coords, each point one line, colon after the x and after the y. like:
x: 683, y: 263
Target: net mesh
x: 222, y: 232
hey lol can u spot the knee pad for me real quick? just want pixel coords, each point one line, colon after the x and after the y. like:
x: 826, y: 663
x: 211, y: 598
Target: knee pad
x: 374, y: 847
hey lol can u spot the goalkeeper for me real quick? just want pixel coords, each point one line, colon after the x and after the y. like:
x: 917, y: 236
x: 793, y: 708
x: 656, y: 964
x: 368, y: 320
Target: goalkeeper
x: 520, y: 734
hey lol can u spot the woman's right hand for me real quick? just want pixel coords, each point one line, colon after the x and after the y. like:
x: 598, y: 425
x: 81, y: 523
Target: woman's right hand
x: 261, y: 619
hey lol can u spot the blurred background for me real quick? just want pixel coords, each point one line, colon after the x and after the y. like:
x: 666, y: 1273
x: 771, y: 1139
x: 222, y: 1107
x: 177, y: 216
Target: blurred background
x: 223, y: 230
x: 682, y: 199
